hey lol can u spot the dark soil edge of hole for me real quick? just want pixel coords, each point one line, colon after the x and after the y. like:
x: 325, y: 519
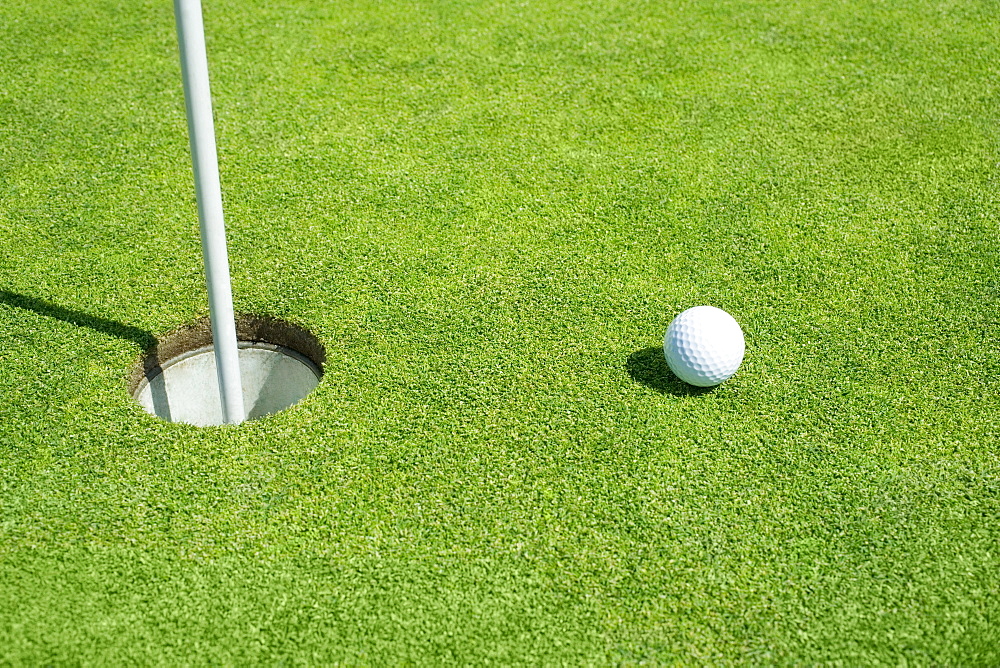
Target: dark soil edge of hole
x: 249, y: 328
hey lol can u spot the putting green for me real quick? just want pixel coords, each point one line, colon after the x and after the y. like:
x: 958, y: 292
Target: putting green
x: 488, y: 213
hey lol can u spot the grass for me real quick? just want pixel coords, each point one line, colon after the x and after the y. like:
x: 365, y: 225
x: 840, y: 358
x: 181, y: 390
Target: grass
x: 489, y: 212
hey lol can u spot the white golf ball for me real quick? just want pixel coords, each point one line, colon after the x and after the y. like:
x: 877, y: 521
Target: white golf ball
x: 704, y: 346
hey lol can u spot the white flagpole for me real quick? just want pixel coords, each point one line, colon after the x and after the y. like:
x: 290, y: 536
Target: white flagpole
x: 194, y: 66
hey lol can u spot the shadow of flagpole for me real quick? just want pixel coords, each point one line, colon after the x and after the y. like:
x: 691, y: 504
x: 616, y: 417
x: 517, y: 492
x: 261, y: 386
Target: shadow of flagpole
x: 140, y: 337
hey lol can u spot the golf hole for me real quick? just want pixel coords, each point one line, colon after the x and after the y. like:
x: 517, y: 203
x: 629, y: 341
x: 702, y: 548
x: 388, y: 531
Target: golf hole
x: 176, y: 380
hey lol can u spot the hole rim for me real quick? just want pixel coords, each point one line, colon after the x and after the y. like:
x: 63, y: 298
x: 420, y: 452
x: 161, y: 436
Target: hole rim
x: 252, y: 331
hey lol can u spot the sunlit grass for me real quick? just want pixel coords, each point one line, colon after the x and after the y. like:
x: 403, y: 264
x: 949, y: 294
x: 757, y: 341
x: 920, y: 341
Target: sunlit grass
x: 489, y: 213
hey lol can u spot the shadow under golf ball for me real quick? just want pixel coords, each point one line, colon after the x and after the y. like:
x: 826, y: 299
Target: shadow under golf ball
x: 649, y: 367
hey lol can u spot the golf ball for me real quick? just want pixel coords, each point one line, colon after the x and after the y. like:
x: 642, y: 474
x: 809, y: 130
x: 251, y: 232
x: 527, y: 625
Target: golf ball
x: 704, y: 346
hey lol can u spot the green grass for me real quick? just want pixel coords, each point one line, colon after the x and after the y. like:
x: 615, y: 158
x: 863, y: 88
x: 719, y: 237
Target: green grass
x: 489, y: 212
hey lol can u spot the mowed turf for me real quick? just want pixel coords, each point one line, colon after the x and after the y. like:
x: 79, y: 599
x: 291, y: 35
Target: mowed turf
x: 489, y: 212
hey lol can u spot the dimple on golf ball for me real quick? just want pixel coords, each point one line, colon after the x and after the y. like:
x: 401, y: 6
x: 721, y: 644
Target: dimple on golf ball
x: 704, y: 346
